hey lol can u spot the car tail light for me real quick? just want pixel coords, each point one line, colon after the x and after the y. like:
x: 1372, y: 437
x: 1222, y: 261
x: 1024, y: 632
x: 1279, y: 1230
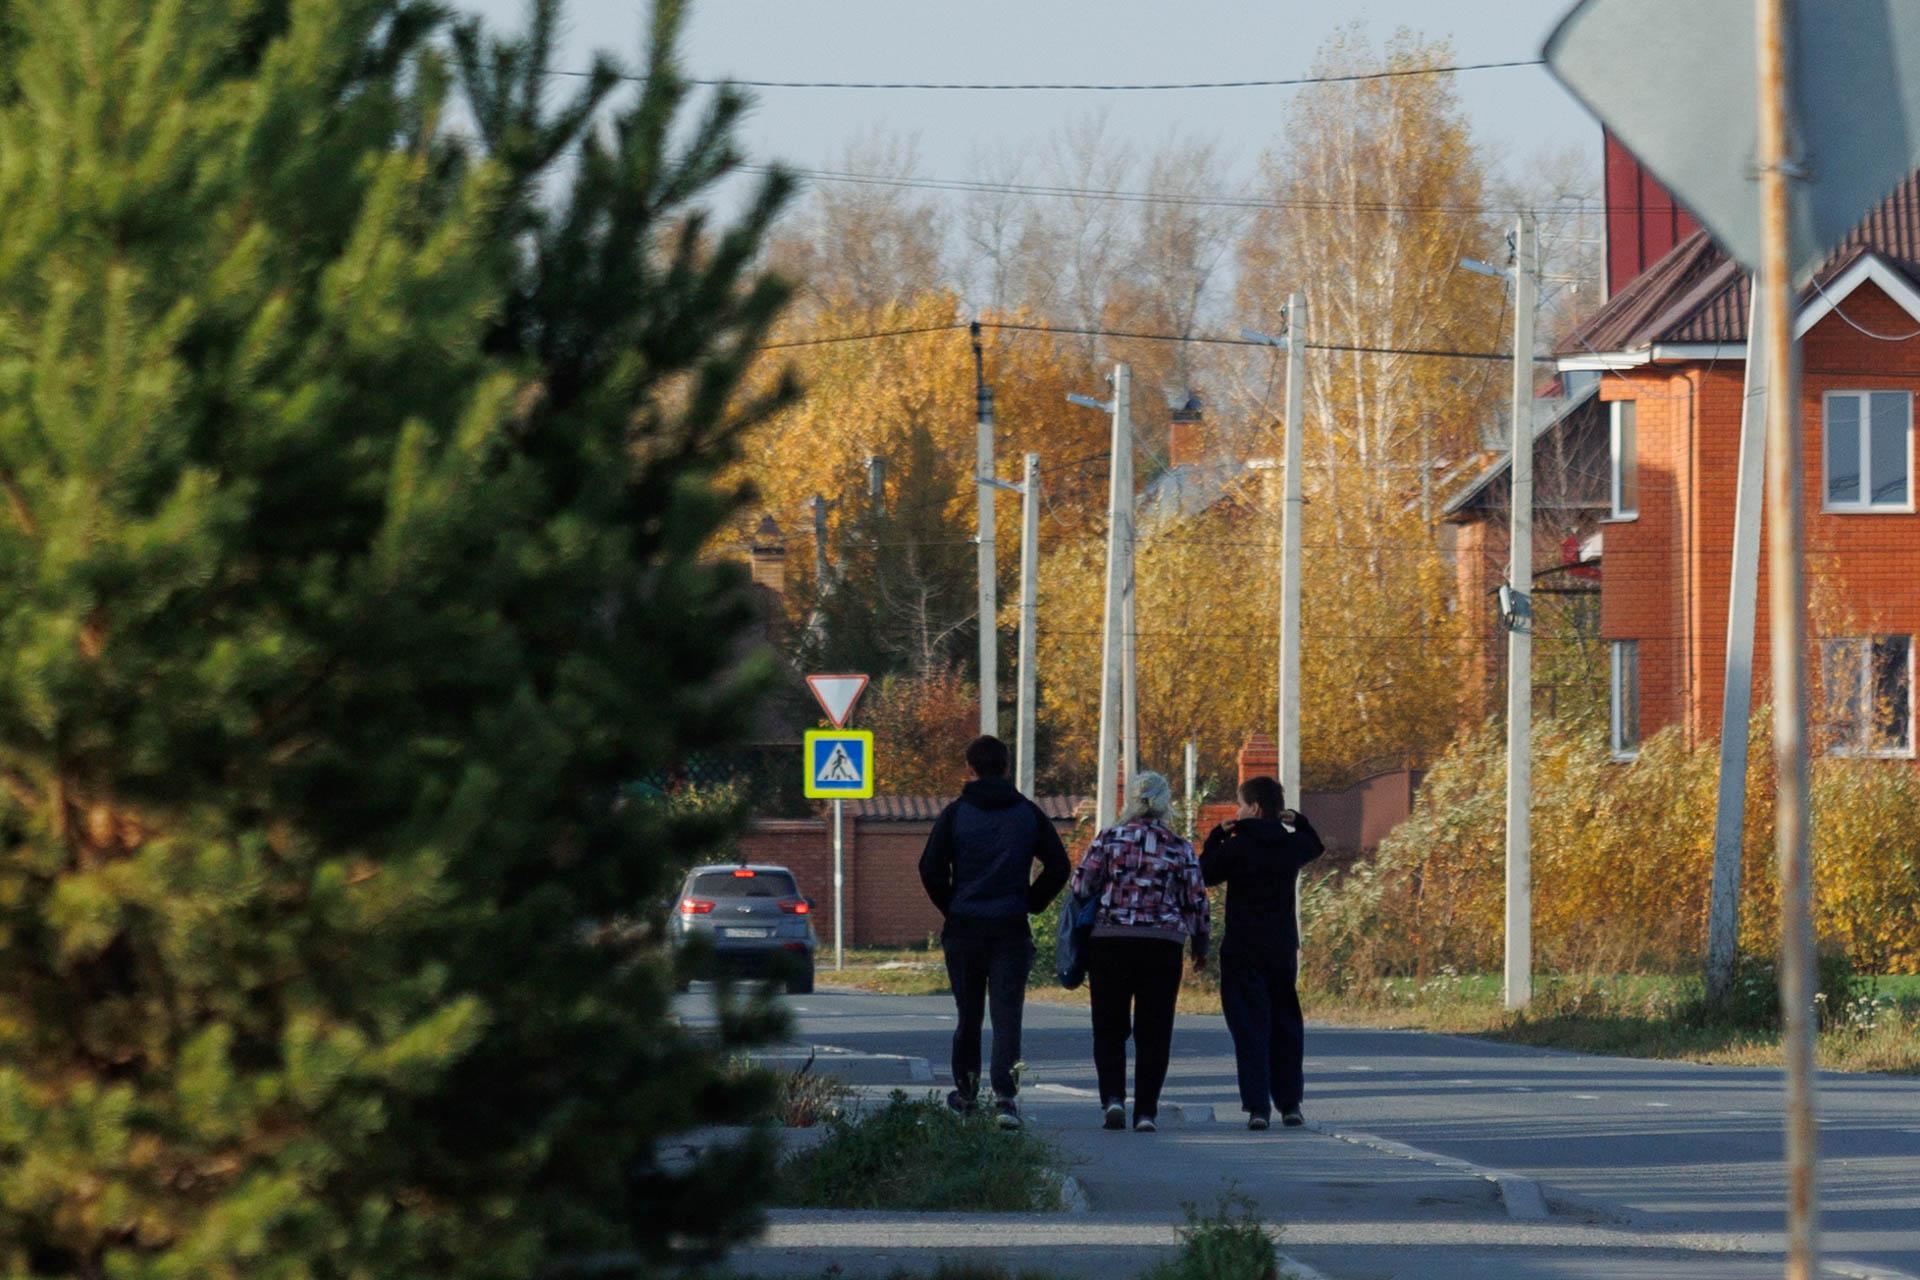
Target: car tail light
x: 695, y: 906
x: 793, y: 946
x: 744, y: 873
x: 795, y: 906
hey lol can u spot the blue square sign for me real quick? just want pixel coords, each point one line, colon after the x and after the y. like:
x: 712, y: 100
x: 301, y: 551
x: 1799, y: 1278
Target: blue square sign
x: 839, y: 764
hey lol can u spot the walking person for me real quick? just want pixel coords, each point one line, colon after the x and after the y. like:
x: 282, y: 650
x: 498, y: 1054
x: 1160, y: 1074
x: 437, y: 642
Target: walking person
x: 1258, y: 857
x: 978, y: 870
x: 1152, y: 903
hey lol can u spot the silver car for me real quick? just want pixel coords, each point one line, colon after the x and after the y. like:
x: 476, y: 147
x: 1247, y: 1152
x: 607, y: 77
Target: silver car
x: 752, y: 918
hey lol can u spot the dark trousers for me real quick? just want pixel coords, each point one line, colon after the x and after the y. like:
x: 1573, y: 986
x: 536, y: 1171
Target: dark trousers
x: 1134, y: 984
x: 987, y: 966
x: 1262, y: 1004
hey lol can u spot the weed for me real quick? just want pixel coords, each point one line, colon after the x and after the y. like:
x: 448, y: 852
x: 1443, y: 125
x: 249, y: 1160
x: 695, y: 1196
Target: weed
x: 917, y: 1154
x: 1230, y: 1243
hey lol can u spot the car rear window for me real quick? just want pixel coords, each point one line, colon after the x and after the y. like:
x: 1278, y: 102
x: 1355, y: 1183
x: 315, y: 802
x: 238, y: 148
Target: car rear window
x: 757, y: 884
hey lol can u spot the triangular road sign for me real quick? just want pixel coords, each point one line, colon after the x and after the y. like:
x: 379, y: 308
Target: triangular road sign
x: 836, y: 695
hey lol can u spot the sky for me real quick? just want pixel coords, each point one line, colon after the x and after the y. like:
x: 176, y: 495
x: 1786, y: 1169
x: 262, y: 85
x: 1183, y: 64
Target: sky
x: 1516, y: 112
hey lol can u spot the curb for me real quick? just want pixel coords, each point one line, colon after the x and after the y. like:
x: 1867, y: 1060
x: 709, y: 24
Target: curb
x: 1524, y: 1197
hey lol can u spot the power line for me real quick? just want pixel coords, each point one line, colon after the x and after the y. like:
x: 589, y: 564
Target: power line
x: 1354, y: 77
x: 859, y: 337
x: 1348, y: 348
x: 1207, y: 199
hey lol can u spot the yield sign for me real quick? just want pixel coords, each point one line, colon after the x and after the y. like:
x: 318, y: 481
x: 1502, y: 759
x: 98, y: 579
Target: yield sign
x: 1677, y: 83
x: 836, y: 695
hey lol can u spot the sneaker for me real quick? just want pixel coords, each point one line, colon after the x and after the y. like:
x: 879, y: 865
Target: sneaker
x: 959, y: 1103
x: 1009, y: 1113
x: 1116, y: 1115
x: 1292, y: 1118
x: 1257, y: 1123
x: 1145, y: 1124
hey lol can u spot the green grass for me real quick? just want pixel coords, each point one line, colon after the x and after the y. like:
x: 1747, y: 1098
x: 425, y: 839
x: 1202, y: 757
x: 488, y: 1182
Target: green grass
x: 916, y: 1154
x: 1231, y: 1243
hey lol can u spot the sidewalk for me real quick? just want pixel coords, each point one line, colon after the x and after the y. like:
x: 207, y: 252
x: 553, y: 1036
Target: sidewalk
x: 1344, y: 1211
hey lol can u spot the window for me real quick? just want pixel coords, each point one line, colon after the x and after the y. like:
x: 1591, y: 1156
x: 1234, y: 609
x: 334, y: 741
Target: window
x: 1868, y: 695
x: 1625, y: 716
x: 1869, y: 450
x: 1625, y: 469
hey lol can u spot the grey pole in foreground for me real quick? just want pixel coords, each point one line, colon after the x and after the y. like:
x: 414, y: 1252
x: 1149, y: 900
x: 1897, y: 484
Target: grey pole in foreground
x: 1129, y: 656
x: 1736, y: 699
x: 1786, y: 607
x: 1519, y: 932
x: 989, y: 604
x: 1029, y: 617
x: 1290, y: 521
x: 839, y: 891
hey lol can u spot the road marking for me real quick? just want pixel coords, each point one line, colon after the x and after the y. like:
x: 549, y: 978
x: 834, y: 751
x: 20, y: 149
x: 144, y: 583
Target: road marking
x: 1656, y: 1104
x: 1519, y: 1088
x: 1356, y: 1067
x: 1587, y: 1097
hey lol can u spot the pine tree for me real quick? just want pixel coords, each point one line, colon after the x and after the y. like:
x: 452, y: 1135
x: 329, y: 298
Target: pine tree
x: 353, y: 482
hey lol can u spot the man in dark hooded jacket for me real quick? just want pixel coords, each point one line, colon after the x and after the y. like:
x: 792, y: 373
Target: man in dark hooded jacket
x: 978, y: 869
x: 1258, y: 857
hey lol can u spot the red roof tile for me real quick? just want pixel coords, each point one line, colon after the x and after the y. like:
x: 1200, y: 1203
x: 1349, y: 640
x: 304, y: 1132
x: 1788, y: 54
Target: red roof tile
x: 927, y: 808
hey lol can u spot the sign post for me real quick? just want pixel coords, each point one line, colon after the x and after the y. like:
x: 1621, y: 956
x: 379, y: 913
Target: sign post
x: 1749, y: 111
x: 838, y: 766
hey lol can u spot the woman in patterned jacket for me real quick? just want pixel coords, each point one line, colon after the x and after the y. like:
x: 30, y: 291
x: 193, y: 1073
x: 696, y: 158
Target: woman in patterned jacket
x: 1152, y: 902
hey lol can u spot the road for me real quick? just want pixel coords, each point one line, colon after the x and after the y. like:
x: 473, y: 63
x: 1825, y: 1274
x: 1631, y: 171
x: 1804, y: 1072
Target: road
x: 1684, y: 1149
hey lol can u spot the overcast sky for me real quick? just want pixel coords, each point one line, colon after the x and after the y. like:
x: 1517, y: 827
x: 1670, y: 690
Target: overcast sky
x: 1517, y: 111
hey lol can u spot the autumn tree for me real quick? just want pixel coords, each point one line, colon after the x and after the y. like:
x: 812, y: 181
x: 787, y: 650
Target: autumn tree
x: 865, y: 242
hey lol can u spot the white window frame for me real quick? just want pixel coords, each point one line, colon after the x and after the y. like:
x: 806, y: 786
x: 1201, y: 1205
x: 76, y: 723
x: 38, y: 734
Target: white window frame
x: 1865, y: 505
x: 1617, y: 697
x: 1863, y: 677
x: 1616, y: 472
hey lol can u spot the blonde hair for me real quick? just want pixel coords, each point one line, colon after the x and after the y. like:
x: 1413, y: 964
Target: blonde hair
x: 1149, y: 795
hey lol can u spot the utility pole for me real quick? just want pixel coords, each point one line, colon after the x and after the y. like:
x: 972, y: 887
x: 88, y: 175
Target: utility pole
x: 1129, y: 657
x: 1736, y: 698
x: 1787, y: 610
x: 1029, y: 618
x: 1516, y: 608
x: 1290, y: 523
x: 989, y: 606
x: 1119, y: 587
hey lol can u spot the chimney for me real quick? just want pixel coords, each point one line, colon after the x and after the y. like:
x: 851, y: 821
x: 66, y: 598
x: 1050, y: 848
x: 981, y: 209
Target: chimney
x: 1187, y: 434
x: 767, y: 556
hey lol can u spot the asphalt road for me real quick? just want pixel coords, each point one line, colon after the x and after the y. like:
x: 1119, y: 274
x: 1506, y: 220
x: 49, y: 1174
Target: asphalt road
x: 1682, y: 1147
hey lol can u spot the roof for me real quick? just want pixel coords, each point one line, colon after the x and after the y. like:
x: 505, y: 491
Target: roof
x: 1696, y: 294
x: 1548, y: 416
x: 927, y: 808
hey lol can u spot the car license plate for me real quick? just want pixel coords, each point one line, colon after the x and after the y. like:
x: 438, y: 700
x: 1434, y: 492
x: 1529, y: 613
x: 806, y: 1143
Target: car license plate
x: 745, y: 933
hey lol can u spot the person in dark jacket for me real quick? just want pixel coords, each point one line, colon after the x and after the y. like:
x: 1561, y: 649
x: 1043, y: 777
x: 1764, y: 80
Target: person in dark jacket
x: 978, y: 869
x: 1258, y: 857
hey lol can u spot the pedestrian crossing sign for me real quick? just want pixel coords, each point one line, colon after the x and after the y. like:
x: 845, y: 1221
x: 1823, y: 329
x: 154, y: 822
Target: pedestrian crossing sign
x: 839, y: 764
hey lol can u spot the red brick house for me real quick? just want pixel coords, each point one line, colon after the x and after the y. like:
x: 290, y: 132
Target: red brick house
x: 1670, y: 347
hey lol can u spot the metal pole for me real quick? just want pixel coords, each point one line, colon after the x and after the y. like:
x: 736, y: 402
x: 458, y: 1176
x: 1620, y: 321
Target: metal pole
x: 1129, y: 660
x: 1193, y: 770
x: 1736, y: 699
x: 1787, y: 611
x: 1519, y: 930
x: 1029, y: 617
x: 1119, y: 506
x: 989, y: 604
x: 839, y: 890
x: 1290, y: 519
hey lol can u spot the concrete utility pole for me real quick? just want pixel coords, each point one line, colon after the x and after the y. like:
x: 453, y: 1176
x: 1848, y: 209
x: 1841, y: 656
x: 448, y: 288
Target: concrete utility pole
x: 1519, y: 949
x: 1029, y: 619
x: 1736, y: 699
x: 1129, y: 656
x: 989, y: 604
x: 1119, y: 587
x: 1291, y: 511
x: 1787, y: 612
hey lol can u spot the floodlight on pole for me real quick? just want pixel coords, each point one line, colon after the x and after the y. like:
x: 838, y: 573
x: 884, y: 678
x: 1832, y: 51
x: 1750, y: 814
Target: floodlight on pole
x: 1480, y: 268
x: 1088, y: 402
x: 1008, y: 485
x: 1254, y: 335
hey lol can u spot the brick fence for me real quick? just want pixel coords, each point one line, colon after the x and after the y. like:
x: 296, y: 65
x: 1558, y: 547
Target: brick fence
x: 883, y: 839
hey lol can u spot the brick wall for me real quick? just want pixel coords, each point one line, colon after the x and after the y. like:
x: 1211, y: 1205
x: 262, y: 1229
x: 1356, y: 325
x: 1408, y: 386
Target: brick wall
x: 1667, y: 573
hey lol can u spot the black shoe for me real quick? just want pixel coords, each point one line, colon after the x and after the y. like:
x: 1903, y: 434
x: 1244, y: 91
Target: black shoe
x: 1116, y: 1116
x: 1292, y: 1118
x: 1258, y: 1123
x: 959, y: 1103
x: 1009, y: 1113
x: 1144, y: 1124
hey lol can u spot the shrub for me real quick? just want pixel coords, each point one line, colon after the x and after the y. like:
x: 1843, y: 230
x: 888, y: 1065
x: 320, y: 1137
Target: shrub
x: 919, y: 1154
